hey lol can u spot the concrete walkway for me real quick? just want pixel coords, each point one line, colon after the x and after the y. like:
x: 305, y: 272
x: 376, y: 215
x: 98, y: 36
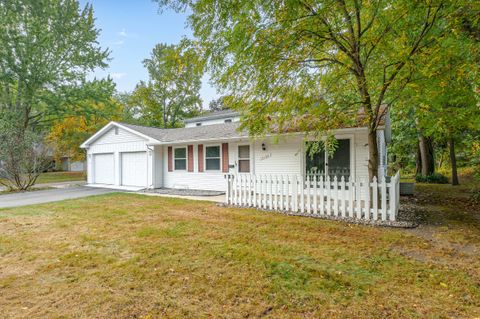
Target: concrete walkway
x: 217, y: 199
x: 49, y: 195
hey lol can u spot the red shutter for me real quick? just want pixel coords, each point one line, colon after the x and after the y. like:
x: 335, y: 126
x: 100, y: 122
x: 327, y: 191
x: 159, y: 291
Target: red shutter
x: 170, y: 160
x: 190, y: 158
x: 200, y: 157
x: 225, y: 157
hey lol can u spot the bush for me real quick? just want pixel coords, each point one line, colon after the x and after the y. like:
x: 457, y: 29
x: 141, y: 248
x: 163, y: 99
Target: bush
x: 432, y: 179
x: 475, y: 195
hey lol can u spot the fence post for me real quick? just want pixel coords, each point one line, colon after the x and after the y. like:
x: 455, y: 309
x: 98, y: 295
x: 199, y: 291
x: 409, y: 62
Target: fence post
x: 294, y: 193
x: 265, y: 191
x: 315, y: 194
x: 328, y: 193
x: 302, y: 194
x: 351, y: 193
x: 321, y: 193
x: 309, y: 200
x: 335, y: 195
x: 270, y: 190
x: 393, y: 197
x: 227, y: 194
x: 343, y: 199
x: 383, y: 190
x: 367, y: 199
x: 358, y: 199
x: 375, y: 197
x: 275, y: 204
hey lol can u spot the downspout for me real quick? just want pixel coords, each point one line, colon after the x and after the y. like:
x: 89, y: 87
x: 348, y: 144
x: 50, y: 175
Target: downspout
x: 151, y: 151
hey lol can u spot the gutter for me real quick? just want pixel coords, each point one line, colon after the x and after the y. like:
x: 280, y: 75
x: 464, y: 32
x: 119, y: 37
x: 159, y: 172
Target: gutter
x: 344, y: 130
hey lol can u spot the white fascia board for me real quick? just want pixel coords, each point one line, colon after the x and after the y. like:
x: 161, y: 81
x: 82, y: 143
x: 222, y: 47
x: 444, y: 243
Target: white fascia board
x: 337, y: 131
x: 86, y: 144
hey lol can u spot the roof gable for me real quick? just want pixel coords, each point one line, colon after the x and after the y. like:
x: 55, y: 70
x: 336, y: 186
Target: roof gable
x: 108, y: 130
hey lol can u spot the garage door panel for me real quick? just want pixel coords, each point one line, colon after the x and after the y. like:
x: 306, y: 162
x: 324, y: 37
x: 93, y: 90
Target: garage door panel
x: 134, y: 169
x: 104, y: 169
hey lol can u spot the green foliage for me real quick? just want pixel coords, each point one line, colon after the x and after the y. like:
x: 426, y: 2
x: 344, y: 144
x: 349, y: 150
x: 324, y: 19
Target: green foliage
x: 432, y: 179
x: 47, y: 49
x: 220, y: 104
x: 441, y: 102
x: 172, y: 92
x: 310, y: 65
x: 475, y: 195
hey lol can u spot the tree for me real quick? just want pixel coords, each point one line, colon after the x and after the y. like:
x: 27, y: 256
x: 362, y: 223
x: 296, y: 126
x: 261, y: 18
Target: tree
x: 66, y: 135
x: 47, y: 49
x: 443, y: 96
x: 220, y: 104
x: 316, y: 61
x: 172, y: 92
x: 23, y: 157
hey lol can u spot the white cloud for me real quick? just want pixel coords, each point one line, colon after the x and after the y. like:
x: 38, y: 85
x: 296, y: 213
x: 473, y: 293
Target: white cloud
x: 119, y: 42
x: 118, y: 75
x: 123, y: 33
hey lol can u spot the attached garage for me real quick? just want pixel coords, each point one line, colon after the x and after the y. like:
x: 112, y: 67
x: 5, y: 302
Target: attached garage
x: 104, y: 168
x: 134, y: 169
x: 120, y: 157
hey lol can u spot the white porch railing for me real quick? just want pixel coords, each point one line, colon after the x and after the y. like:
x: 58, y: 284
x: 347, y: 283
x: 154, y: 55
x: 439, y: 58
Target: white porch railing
x: 316, y: 196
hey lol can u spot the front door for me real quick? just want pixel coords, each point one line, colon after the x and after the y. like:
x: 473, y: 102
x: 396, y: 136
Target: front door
x: 338, y: 164
x: 243, y: 159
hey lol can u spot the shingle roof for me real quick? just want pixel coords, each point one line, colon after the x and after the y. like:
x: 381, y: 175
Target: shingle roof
x: 197, y: 133
x: 212, y: 115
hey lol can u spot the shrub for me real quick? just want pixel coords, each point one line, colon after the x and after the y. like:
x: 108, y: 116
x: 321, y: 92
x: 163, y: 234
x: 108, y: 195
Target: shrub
x: 475, y: 195
x: 434, y: 178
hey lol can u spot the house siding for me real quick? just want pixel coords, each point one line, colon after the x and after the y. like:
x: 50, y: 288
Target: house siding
x: 213, y: 121
x: 284, y: 155
x: 280, y: 157
x: 116, y: 144
x: 207, y: 180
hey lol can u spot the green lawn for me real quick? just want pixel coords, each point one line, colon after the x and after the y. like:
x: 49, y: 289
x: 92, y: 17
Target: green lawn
x: 134, y: 256
x: 55, y: 177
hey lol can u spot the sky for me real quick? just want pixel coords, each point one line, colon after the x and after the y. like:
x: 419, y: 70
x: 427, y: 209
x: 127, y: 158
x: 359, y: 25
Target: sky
x: 130, y: 29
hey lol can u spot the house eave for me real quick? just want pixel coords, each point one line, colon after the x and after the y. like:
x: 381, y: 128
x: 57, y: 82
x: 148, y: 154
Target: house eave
x: 236, y: 138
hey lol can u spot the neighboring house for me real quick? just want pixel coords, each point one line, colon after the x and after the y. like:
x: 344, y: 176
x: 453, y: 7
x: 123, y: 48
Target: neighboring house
x: 199, y: 155
x: 67, y: 165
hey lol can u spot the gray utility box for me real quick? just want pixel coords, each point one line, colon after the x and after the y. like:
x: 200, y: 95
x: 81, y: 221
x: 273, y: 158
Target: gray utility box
x: 407, y: 189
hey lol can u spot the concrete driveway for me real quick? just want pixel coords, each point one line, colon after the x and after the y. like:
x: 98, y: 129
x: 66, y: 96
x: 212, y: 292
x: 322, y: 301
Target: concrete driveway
x: 49, y: 195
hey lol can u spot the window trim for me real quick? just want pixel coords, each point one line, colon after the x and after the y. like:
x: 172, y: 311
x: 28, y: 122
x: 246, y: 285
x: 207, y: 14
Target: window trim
x: 205, y: 169
x: 341, y: 136
x: 244, y: 158
x: 186, y: 159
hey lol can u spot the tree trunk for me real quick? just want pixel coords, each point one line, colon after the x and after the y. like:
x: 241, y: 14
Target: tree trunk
x: 418, y: 164
x: 427, y: 157
x: 372, y: 154
x: 453, y: 161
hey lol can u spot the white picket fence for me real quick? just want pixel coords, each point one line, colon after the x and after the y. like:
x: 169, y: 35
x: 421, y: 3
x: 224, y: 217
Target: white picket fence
x: 316, y: 195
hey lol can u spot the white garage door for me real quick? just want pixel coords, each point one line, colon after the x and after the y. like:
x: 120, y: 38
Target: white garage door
x: 134, y: 169
x: 104, y: 169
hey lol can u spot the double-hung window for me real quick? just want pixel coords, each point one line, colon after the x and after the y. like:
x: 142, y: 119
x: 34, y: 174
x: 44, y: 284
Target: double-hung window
x: 180, y: 158
x: 212, y: 158
x: 244, y: 158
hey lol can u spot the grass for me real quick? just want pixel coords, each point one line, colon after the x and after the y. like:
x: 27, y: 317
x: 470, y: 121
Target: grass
x: 132, y: 256
x: 55, y: 177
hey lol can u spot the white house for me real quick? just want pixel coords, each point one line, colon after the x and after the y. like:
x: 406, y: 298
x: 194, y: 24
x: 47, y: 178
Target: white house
x: 208, y: 147
x: 275, y: 172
